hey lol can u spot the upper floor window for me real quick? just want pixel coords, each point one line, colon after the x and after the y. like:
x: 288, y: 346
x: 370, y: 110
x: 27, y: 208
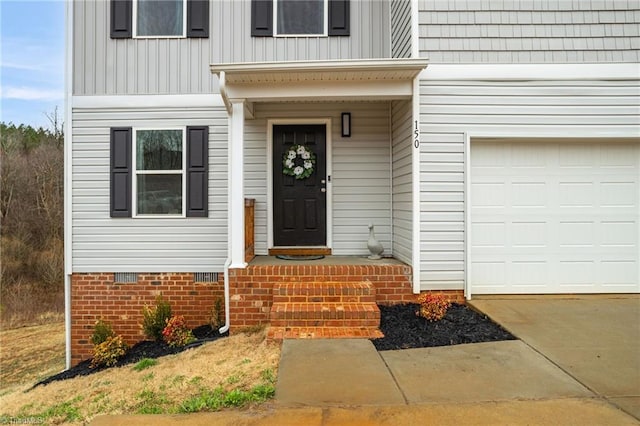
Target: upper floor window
x: 160, y: 18
x: 300, y: 17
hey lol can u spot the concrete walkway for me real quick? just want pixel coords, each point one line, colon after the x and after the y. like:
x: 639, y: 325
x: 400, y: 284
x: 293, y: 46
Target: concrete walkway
x: 545, y: 378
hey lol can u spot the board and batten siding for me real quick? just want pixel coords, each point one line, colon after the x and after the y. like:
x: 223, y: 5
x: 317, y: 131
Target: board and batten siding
x: 401, y: 146
x: 400, y: 11
x: 232, y: 42
x: 529, y: 31
x: 448, y: 109
x: 104, y: 66
x: 361, y: 177
x: 101, y: 243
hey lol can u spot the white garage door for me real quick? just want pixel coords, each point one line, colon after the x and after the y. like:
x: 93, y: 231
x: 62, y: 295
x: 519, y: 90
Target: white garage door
x: 554, y: 217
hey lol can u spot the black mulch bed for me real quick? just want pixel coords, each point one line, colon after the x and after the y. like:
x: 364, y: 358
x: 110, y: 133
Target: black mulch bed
x: 144, y: 349
x: 403, y: 329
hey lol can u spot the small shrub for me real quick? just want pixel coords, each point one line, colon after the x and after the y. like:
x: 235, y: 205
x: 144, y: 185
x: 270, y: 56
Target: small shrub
x: 154, y: 319
x: 217, y: 314
x: 101, y: 332
x: 176, y: 333
x: 108, y: 352
x: 433, y: 306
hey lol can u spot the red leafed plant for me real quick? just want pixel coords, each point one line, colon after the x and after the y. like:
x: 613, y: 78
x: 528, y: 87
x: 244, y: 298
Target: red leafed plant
x: 433, y: 306
x: 176, y: 333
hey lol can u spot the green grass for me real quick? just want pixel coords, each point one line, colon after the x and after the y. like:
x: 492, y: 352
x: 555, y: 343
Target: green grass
x: 66, y: 412
x: 216, y: 399
x: 145, y: 363
x: 151, y: 402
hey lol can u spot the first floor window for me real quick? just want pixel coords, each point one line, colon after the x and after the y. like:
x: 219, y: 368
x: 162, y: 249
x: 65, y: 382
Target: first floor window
x: 160, y: 18
x: 301, y: 17
x: 159, y: 171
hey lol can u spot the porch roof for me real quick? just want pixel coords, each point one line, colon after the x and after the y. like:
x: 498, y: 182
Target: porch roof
x: 366, y: 79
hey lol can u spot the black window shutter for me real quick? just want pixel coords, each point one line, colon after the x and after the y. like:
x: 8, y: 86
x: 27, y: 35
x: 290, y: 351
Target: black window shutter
x: 198, y: 18
x: 197, y: 171
x: 338, y: 17
x: 120, y: 171
x: 262, y: 18
x: 121, y: 16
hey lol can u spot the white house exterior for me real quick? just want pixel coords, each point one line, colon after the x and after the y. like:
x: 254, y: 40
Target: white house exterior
x: 495, y: 145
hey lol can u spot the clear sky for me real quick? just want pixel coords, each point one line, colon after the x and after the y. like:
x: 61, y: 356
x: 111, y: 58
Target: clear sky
x: 32, y: 60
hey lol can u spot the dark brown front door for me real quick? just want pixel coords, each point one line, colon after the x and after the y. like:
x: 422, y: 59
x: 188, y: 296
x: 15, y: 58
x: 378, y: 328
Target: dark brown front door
x: 299, y: 205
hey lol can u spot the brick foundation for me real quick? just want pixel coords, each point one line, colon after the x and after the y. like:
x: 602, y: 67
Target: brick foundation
x: 96, y: 296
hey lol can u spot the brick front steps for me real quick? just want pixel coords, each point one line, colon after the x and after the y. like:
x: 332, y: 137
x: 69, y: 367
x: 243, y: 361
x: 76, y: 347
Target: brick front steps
x: 252, y: 288
x: 324, y: 310
x: 279, y: 333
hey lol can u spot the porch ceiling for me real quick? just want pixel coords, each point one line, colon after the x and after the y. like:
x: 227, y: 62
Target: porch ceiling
x: 369, y: 79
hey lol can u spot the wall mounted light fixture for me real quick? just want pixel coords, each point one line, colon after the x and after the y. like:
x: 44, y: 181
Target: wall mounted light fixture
x: 346, y: 124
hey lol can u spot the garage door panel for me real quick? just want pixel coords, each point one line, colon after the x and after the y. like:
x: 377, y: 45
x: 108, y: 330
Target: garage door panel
x: 575, y: 272
x: 528, y: 157
x: 619, y: 233
x: 530, y: 273
x: 619, y: 194
x: 619, y: 272
x: 577, y: 155
x: 529, y: 194
x: 528, y: 234
x: 577, y: 194
x: 619, y: 156
x: 554, y: 217
x: 488, y: 194
x: 489, y: 234
x: 490, y: 274
x: 574, y: 234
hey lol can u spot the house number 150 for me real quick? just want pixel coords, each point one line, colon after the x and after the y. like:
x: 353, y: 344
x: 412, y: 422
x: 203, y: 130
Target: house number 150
x: 416, y: 136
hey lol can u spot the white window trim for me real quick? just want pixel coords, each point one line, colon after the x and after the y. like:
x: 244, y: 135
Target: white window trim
x: 134, y: 18
x: 134, y: 179
x: 325, y: 29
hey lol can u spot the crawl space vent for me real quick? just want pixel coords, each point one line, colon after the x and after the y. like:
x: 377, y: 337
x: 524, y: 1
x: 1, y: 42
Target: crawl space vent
x: 205, y: 277
x: 125, y: 277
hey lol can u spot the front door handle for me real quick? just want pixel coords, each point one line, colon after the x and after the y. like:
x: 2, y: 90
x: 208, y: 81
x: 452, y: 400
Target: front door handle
x: 323, y: 189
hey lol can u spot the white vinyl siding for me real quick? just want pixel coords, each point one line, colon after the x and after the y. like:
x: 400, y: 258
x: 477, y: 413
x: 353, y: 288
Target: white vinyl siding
x: 400, y: 28
x: 448, y: 109
x: 232, y: 42
x: 102, y: 243
x: 402, y: 144
x: 534, y: 31
x: 361, y: 178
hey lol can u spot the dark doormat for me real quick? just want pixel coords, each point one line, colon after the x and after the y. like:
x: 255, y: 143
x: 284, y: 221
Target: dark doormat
x: 300, y: 257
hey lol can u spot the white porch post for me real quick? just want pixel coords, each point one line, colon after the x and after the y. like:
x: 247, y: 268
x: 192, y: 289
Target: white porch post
x: 416, y: 258
x: 236, y: 183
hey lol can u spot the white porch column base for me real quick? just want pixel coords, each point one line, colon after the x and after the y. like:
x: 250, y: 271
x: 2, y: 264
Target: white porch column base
x: 236, y: 184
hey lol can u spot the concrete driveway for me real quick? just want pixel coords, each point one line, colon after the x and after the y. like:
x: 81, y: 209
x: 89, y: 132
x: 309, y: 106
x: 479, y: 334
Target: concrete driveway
x: 594, y: 339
